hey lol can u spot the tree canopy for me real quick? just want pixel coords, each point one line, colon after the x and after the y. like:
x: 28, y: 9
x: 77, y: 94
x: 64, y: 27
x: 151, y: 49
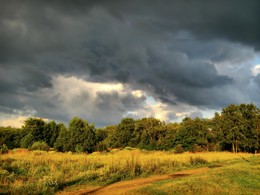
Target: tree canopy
x: 236, y: 129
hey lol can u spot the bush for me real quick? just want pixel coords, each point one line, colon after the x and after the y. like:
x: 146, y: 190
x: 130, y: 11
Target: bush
x: 197, y: 161
x: 3, y: 149
x: 101, y: 147
x: 178, y: 149
x: 129, y: 148
x: 40, y: 146
x: 197, y: 148
x: 79, y: 148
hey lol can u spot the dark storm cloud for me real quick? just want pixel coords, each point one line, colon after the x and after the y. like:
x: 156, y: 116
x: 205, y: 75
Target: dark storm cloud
x: 108, y: 107
x: 166, y: 48
x: 235, y: 20
x: 113, y: 100
x: 23, y: 77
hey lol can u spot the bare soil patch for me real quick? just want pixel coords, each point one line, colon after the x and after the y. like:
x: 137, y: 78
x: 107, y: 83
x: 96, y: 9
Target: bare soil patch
x: 123, y: 187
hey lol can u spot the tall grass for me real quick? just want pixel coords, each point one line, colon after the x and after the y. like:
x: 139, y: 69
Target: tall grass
x: 34, y: 172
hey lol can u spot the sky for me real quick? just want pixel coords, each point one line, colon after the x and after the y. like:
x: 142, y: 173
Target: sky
x: 104, y: 60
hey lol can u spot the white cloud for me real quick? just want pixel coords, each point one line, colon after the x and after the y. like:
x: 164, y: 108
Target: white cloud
x: 68, y: 87
x: 255, y: 70
x: 71, y: 91
x: 15, y: 122
x: 101, y: 103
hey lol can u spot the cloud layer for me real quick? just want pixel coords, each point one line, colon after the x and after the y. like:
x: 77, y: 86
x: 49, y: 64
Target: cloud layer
x: 59, y: 59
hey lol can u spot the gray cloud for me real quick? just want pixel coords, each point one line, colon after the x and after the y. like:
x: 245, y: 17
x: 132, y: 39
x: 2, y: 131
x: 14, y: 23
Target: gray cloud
x: 233, y: 20
x: 176, y: 51
x: 257, y: 80
x: 195, y: 114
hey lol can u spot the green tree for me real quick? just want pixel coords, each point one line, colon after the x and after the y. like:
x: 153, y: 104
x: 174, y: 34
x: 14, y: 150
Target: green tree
x: 193, y: 134
x: 101, y: 135
x: 149, y: 132
x: 256, y: 133
x: 217, y: 132
x: 11, y: 137
x: 51, y: 132
x: 111, y: 139
x: 36, y: 126
x: 167, y: 136
x: 233, y: 126
x: 27, y: 140
x: 82, y: 136
x: 124, y: 132
x: 61, y: 143
x: 251, y: 116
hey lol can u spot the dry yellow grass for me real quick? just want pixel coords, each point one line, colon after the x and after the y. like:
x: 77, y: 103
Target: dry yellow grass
x: 120, y: 156
x: 25, y: 171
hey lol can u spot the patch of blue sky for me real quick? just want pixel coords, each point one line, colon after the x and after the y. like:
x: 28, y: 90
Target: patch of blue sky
x: 151, y: 101
x: 257, y: 60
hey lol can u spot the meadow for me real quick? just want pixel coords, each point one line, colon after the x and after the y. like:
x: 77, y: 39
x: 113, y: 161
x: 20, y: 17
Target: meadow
x: 238, y: 176
x: 40, y: 172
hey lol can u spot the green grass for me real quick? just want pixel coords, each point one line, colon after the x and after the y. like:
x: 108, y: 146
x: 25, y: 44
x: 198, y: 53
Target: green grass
x: 41, y: 172
x: 235, y: 177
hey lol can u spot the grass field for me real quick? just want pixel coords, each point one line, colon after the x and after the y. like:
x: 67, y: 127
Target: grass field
x: 236, y: 177
x: 35, y: 172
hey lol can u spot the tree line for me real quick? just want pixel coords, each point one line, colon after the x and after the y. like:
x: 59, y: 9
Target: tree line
x: 236, y: 129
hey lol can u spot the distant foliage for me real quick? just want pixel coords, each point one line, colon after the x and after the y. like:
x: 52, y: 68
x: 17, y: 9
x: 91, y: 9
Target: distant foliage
x: 79, y: 137
x: 40, y: 145
x: 11, y: 137
x: 236, y: 129
x: 3, y: 149
x: 178, y: 149
x: 101, y: 147
x: 27, y: 141
x: 61, y: 143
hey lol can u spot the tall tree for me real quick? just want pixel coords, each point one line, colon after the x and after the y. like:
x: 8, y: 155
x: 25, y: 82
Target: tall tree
x: 124, y: 132
x: 232, y: 125
x: 11, y: 137
x: 250, y: 115
x: 51, y: 132
x: 150, y: 131
x: 111, y: 138
x: 167, y: 136
x: 256, y: 133
x: 193, y: 134
x: 82, y: 136
x: 35, y: 126
x: 62, y: 142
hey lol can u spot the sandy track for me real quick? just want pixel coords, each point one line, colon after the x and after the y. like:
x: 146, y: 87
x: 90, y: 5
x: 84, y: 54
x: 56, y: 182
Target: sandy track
x: 123, y: 187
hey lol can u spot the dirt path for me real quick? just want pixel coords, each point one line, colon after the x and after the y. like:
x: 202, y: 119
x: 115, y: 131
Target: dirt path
x: 123, y: 187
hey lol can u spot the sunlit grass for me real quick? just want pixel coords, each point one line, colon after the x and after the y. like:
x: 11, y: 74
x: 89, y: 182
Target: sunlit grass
x: 238, y: 177
x: 26, y: 172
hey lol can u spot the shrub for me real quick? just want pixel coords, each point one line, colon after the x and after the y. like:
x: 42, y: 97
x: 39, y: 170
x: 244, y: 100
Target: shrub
x: 3, y: 149
x: 197, y: 148
x: 101, y: 147
x: 40, y: 146
x: 197, y: 161
x: 178, y: 149
x: 129, y: 148
x: 79, y: 148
